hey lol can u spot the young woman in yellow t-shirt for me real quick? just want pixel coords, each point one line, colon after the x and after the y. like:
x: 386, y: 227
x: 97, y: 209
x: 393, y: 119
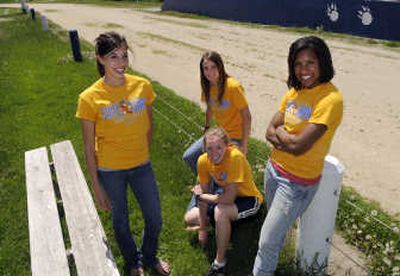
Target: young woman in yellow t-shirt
x: 301, y: 133
x: 239, y: 198
x: 116, y: 117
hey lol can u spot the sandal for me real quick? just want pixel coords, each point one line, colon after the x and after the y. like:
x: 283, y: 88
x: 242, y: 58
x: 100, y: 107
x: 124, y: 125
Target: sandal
x: 203, y: 237
x: 162, y: 268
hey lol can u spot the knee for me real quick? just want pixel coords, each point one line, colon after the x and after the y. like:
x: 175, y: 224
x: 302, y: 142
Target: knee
x: 192, y: 216
x: 120, y: 223
x: 221, y: 213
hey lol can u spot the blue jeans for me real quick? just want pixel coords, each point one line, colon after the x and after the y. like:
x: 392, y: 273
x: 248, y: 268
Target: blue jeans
x: 286, y: 201
x: 144, y: 186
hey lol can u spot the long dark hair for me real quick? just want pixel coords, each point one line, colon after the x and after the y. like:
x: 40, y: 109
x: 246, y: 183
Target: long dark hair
x: 321, y: 50
x: 105, y: 43
x: 205, y: 84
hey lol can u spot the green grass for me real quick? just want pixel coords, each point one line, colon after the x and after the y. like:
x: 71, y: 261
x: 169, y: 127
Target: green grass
x: 370, y: 229
x: 40, y: 84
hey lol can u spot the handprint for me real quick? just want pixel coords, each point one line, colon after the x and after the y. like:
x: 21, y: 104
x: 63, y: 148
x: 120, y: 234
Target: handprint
x: 332, y: 12
x: 365, y: 15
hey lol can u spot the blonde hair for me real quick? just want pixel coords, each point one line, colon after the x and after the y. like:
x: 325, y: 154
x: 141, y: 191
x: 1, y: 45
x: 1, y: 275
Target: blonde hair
x: 216, y: 132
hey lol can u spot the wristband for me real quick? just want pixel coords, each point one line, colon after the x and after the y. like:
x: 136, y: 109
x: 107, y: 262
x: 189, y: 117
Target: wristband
x: 197, y: 198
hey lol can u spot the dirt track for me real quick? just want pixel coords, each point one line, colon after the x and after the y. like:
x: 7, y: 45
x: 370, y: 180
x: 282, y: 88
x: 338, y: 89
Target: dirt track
x: 168, y: 50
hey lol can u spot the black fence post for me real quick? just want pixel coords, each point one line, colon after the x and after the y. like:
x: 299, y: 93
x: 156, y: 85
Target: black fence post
x: 76, y: 49
x: 33, y: 15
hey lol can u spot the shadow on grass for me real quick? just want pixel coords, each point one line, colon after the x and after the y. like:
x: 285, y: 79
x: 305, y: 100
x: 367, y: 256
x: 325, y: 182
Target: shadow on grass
x: 243, y: 245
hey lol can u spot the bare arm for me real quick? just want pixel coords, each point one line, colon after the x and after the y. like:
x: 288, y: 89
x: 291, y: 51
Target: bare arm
x: 88, y: 133
x: 227, y: 197
x: 150, y: 132
x: 276, y: 121
x: 298, y: 144
x: 208, y: 119
x: 246, y: 127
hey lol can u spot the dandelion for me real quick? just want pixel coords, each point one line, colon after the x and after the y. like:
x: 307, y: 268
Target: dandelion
x: 374, y: 213
x: 396, y: 230
x: 368, y: 237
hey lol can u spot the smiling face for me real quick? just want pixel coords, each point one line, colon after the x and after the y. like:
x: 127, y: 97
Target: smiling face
x: 215, y: 148
x: 115, y: 64
x: 210, y: 70
x: 306, y: 68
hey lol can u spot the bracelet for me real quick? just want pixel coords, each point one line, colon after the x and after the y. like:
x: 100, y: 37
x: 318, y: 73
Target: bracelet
x: 197, y: 198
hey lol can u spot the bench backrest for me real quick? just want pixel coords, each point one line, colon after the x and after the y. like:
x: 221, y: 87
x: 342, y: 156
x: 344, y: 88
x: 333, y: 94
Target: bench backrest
x: 89, y: 246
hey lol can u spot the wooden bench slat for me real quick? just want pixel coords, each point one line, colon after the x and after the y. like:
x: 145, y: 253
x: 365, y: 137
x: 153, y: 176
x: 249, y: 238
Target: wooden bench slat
x: 88, y: 240
x: 47, y: 250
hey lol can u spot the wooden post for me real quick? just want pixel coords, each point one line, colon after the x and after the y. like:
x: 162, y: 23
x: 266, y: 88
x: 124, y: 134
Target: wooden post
x: 45, y: 24
x: 76, y: 49
x: 317, y: 224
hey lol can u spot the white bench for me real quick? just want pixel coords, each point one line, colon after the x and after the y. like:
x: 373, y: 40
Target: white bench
x: 89, y: 248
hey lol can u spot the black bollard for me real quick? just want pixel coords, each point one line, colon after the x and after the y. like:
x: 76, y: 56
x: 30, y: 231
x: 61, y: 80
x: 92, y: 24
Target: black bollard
x: 33, y: 16
x: 76, y: 49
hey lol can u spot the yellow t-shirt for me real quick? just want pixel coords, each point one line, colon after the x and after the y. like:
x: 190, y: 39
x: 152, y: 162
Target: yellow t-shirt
x: 122, y: 123
x: 227, y: 114
x: 322, y: 104
x: 234, y: 168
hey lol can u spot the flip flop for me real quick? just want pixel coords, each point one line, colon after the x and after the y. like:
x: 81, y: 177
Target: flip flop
x: 162, y: 268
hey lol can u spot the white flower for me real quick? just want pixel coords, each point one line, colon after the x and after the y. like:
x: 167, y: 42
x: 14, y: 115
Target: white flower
x: 396, y: 230
x: 374, y: 213
x: 387, y: 261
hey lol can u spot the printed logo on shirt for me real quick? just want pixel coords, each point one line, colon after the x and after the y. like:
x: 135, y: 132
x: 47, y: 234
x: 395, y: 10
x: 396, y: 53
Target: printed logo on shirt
x: 225, y: 104
x: 221, y: 177
x: 124, y: 111
x: 297, y: 112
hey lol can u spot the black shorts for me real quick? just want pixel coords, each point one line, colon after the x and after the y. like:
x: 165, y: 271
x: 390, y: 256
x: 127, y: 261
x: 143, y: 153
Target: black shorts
x: 247, y: 206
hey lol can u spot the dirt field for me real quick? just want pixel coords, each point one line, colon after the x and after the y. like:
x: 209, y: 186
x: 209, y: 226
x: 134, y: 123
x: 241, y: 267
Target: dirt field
x: 168, y: 50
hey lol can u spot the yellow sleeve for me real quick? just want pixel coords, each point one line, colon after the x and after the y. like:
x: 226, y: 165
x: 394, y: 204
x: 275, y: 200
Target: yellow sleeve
x: 149, y: 93
x: 328, y: 111
x: 236, y: 172
x: 203, y: 174
x: 238, y: 97
x: 282, y: 107
x: 86, y: 110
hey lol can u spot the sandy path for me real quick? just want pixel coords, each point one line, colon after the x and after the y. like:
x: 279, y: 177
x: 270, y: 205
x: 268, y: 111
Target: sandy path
x: 168, y: 49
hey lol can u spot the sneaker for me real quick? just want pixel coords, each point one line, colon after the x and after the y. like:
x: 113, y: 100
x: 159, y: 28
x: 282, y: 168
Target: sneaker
x: 215, y: 270
x: 136, y: 272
